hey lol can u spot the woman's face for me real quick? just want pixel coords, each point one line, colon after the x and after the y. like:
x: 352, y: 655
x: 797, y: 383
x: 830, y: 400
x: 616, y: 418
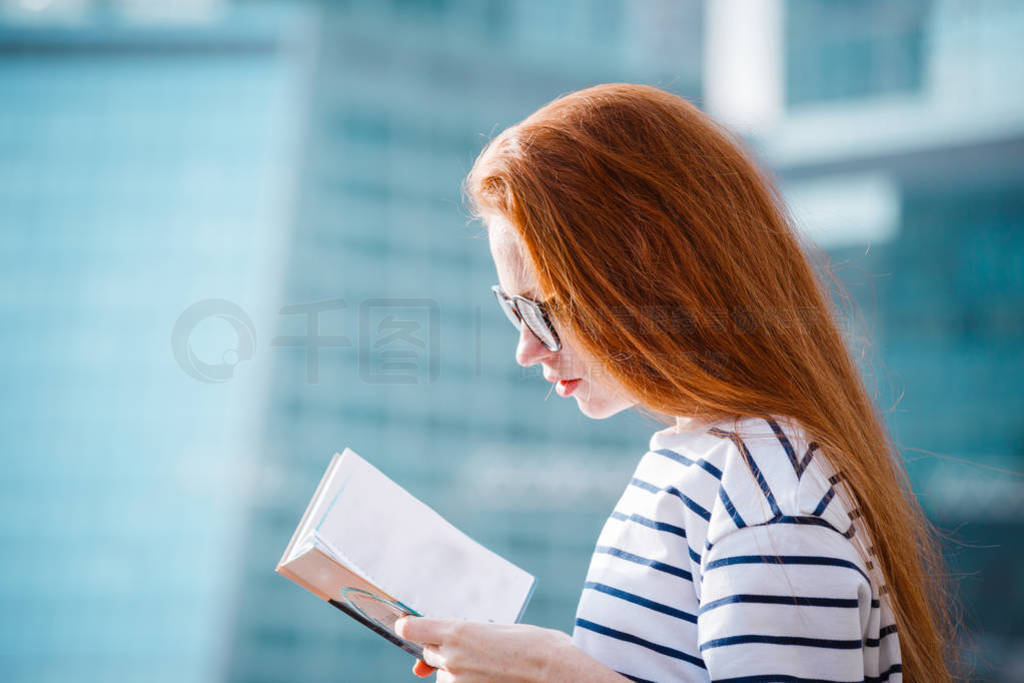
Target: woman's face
x: 596, y: 394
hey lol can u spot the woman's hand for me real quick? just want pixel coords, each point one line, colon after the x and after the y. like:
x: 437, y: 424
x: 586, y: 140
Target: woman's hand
x: 469, y: 651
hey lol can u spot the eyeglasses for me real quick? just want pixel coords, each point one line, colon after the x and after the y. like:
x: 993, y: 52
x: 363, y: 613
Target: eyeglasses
x: 519, y: 309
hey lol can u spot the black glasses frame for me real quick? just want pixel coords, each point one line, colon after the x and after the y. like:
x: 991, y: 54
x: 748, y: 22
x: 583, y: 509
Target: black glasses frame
x: 537, y: 314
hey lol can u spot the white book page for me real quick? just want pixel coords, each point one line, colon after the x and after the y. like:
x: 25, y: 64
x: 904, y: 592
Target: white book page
x: 303, y: 536
x: 399, y: 543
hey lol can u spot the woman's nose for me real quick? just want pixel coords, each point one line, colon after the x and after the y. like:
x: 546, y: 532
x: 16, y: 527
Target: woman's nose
x: 529, y: 350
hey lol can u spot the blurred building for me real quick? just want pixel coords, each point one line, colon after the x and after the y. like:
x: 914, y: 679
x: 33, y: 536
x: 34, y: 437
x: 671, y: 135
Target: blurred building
x: 406, y: 94
x: 897, y: 132
x: 145, y: 164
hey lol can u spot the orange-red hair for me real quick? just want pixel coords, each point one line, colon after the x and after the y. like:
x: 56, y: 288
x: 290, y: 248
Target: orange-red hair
x: 672, y: 259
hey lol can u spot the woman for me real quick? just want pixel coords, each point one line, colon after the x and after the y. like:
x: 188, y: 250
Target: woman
x: 770, y: 532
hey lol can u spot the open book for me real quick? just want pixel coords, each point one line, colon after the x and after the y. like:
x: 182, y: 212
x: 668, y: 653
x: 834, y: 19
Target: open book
x: 377, y: 553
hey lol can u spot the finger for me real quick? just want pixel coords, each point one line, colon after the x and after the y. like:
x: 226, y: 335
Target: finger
x: 432, y: 656
x: 422, y: 669
x: 422, y: 629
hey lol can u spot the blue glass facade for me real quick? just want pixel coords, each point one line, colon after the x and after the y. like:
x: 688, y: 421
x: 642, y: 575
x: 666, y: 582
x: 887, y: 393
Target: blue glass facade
x: 844, y: 51
x: 141, y: 168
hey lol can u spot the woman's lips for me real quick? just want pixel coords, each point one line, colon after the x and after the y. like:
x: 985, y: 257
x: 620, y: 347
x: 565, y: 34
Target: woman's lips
x: 564, y: 387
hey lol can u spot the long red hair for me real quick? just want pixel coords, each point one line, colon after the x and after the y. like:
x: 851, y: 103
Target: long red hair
x: 672, y: 259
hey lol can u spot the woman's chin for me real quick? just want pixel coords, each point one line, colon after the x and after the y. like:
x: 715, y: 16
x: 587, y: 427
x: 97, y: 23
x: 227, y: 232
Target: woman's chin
x: 599, y: 410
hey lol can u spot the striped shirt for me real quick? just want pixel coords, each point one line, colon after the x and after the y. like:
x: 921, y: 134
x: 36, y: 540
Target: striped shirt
x: 729, y: 557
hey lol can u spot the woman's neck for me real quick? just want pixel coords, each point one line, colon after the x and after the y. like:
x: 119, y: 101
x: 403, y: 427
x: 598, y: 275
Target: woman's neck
x: 685, y: 424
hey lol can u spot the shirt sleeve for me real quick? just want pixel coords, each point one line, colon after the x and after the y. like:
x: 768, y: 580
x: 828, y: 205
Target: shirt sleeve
x: 789, y: 601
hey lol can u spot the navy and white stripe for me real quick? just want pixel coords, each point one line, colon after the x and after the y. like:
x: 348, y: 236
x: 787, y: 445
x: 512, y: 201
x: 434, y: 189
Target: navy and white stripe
x: 731, y: 555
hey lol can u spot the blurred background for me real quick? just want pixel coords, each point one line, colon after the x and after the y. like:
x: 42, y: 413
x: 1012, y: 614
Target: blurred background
x: 232, y: 242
